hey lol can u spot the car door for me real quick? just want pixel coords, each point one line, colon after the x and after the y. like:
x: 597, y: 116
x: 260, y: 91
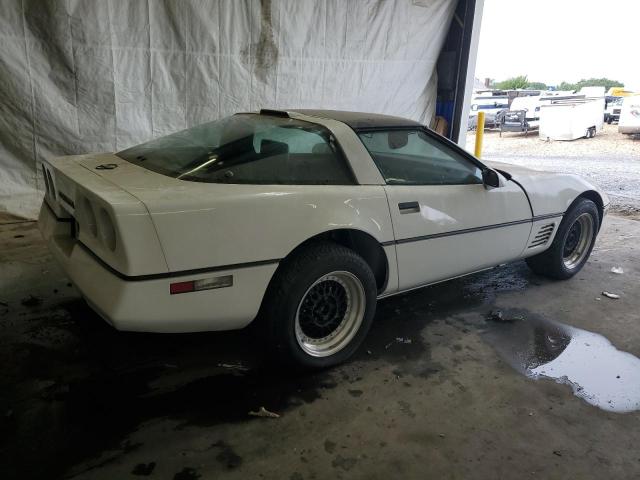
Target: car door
x: 446, y: 221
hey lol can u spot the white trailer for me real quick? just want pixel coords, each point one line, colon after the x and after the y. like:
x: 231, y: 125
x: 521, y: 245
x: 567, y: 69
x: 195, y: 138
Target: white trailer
x: 571, y: 119
x: 629, y: 122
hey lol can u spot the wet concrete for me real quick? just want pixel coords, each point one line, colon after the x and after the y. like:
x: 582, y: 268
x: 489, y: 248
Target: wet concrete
x: 432, y: 392
x: 596, y: 371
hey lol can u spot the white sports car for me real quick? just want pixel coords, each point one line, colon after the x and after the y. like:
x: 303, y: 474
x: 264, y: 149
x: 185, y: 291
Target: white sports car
x: 301, y: 219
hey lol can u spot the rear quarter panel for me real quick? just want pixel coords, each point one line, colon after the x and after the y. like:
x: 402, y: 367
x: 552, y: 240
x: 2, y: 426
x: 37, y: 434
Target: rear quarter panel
x: 211, y: 225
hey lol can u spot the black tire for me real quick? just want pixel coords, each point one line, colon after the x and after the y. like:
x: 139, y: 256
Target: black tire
x: 553, y: 261
x: 290, y: 286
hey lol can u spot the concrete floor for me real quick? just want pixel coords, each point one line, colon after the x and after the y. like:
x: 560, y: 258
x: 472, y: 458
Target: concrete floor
x: 431, y: 394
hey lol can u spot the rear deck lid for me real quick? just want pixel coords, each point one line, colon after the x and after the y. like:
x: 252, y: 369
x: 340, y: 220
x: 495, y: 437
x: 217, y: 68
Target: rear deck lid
x: 110, y: 221
x: 126, y: 175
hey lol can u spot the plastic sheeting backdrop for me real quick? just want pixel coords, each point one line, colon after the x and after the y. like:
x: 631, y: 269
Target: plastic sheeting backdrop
x: 80, y: 76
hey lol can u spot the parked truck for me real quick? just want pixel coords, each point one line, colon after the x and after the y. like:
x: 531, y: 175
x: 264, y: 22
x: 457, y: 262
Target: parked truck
x: 613, y: 106
x: 490, y: 104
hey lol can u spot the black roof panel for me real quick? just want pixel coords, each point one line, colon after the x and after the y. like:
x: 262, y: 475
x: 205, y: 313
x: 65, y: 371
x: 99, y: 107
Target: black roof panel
x: 360, y: 120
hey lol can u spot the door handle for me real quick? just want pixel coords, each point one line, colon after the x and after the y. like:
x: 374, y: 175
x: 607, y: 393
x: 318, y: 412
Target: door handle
x: 409, y: 207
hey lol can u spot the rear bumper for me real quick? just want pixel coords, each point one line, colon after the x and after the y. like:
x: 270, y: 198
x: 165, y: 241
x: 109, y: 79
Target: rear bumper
x: 146, y: 305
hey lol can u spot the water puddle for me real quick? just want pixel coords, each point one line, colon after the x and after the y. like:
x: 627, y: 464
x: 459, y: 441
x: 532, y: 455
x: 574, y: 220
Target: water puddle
x: 597, y: 371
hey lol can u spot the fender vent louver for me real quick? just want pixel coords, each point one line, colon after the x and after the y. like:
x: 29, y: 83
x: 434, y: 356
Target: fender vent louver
x: 543, y: 235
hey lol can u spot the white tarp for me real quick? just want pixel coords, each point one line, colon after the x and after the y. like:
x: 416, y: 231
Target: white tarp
x: 79, y: 76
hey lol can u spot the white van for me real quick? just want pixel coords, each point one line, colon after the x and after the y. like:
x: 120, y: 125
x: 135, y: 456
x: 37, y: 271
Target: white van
x: 630, y: 115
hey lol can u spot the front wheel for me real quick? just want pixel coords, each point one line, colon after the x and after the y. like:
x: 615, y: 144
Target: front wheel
x: 320, y: 306
x: 572, y: 244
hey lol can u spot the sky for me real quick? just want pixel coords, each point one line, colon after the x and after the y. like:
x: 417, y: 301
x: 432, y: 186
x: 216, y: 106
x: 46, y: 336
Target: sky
x: 555, y: 40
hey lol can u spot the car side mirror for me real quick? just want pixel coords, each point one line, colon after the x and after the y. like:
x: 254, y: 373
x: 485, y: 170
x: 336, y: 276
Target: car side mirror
x: 490, y: 178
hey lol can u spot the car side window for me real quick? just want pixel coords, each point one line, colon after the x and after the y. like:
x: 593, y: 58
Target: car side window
x: 412, y: 157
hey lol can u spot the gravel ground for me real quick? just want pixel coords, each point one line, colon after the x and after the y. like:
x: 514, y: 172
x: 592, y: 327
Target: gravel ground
x: 606, y: 142
x: 610, y: 160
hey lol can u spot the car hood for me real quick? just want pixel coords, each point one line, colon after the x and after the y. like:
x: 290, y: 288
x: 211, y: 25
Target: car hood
x: 516, y: 170
x: 549, y: 192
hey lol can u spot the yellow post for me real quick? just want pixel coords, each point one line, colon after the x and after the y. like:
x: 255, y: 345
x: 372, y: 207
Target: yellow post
x: 479, y: 135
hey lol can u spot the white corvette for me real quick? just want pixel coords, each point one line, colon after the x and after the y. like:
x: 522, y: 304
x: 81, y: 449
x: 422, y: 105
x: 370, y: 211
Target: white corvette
x: 301, y: 219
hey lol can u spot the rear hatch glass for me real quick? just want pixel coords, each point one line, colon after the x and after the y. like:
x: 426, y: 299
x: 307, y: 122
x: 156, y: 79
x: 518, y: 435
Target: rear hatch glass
x: 247, y: 149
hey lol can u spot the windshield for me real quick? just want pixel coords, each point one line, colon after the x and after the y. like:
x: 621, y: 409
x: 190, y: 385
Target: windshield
x: 247, y: 148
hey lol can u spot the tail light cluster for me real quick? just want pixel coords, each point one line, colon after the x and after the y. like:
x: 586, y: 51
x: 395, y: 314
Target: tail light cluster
x: 98, y: 223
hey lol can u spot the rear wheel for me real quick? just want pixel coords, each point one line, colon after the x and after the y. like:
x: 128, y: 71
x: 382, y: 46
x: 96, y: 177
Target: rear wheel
x: 320, y: 306
x: 572, y: 244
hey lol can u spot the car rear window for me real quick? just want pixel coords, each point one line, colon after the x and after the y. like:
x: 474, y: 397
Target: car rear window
x: 247, y: 149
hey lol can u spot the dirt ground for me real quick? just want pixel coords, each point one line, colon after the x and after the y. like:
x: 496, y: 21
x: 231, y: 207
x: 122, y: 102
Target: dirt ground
x: 444, y: 386
x: 610, y: 159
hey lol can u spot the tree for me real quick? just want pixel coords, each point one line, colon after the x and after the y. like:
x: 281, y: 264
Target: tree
x: 607, y: 83
x: 513, y: 83
x: 537, y: 86
x: 567, y: 86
